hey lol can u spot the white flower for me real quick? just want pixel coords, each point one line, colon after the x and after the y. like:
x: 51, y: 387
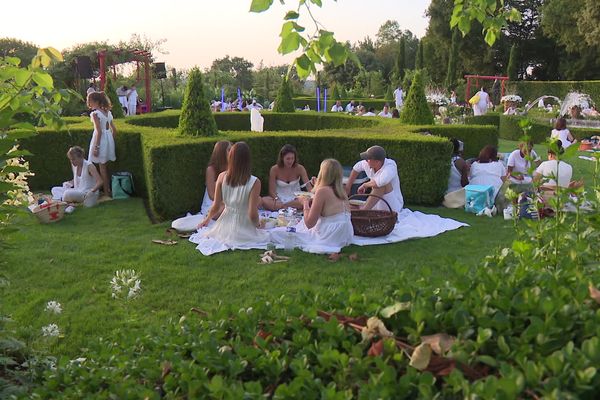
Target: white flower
x: 512, y: 98
x: 126, y: 281
x: 54, y: 306
x: 437, y: 97
x: 50, y: 330
x: 78, y: 360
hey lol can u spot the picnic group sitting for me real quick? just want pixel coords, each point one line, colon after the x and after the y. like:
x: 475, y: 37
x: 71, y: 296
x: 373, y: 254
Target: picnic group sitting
x: 230, y: 218
x: 516, y: 172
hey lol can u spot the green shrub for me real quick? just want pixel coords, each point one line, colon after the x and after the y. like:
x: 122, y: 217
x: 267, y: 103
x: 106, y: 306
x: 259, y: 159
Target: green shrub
x: 283, y: 101
x: 490, y: 118
x: 474, y: 137
x: 531, y: 90
x: 509, y: 129
x: 416, y: 111
x: 196, y: 118
x: 110, y: 91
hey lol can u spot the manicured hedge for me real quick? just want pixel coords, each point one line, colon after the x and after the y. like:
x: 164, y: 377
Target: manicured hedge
x: 240, y: 121
x: 300, y: 102
x: 487, y: 119
x: 531, y: 90
x: 509, y: 129
x: 175, y: 171
x: 474, y: 137
x: 168, y: 168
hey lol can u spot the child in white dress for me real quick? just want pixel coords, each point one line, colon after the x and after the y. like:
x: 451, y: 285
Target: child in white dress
x: 102, y: 145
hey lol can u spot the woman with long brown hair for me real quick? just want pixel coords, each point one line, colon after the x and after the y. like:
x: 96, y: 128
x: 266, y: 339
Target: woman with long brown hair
x: 216, y: 165
x: 238, y: 191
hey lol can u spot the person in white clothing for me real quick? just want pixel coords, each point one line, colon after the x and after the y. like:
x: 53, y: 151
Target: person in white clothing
x: 91, y: 89
x: 122, y: 92
x: 481, y: 107
x: 132, y: 100
x: 488, y: 170
x: 337, y: 107
x: 351, y: 107
x: 86, y: 182
x: 560, y: 132
x: 371, y: 113
x: 385, y: 113
x: 398, y: 97
x: 519, y: 163
x: 383, y: 180
x: 552, y: 171
x: 102, y: 146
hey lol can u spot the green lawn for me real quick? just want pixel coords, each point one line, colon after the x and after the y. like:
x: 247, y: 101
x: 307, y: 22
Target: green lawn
x: 73, y: 261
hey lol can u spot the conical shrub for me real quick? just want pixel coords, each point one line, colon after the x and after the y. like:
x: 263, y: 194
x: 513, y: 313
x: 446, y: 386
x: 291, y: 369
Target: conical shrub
x: 284, y: 102
x: 416, y: 111
x: 196, y: 119
x: 109, y: 90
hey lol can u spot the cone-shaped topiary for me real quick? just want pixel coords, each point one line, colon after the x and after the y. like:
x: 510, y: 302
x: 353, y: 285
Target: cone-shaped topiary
x: 196, y: 119
x: 283, y: 102
x: 109, y: 90
x: 416, y: 111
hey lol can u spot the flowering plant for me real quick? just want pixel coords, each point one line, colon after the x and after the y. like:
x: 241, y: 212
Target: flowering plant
x: 437, y: 97
x: 515, y: 98
x: 126, y: 283
x: 54, y: 307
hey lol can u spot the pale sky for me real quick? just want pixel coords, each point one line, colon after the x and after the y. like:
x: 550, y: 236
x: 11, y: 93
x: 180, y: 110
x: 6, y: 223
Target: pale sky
x: 200, y: 31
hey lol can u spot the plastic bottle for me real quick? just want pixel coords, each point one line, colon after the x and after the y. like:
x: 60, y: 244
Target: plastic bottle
x: 290, y: 237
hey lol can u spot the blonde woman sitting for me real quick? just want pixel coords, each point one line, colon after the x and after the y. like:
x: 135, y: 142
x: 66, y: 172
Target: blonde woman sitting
x: 284, y: 181
x: 86, y: 182
x: 326, y: 227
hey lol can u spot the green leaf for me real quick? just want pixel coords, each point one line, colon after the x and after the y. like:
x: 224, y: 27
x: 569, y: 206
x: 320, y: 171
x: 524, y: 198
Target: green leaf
x: 291, y: 15
x: 52, y: 53
x: 395, y: 308
x: 289, y: 43
x: 488, y: 360
x: 43, y: 79
x: 490, y: 36
x: 22, y: 76
x: 304, y: 66
x: 20, y: 135
x: 483, y: 335
x: 317, y: 2
x: 15, y: 169
x: 336, y: 54
x: 258, y: 6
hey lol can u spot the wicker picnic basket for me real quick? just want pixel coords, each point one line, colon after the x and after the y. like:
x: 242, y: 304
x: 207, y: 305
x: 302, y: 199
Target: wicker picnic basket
x: 373, y: 223
x: 52, y: 212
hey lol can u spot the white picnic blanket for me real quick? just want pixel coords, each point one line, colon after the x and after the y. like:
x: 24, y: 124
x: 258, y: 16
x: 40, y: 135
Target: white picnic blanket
x: 411, y: 225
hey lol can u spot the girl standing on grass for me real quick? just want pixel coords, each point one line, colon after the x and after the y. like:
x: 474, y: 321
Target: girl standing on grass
x: 102, y: 146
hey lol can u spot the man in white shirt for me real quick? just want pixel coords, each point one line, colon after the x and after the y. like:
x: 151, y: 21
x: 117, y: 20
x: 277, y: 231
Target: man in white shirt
x: 518, y: 163
x: 351, y: 107
x: 132, y: 100
x: 398, y: 95
x: 383, y: 180
x: 337, y: 107
x: 371, y: 113
x: 386, y: 112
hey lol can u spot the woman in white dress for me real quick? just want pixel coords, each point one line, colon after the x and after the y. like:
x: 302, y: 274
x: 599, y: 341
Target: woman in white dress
x: 560, y: 132
x: 102, y: 145
x: 326, y: 227
x: 481, y: 107
x: 239, y: 192
x: 86, y: 182
x: 284, y: 181
x: 216, y: 165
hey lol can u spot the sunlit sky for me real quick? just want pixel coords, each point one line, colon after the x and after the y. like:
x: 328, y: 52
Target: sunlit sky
x: 197, y: 32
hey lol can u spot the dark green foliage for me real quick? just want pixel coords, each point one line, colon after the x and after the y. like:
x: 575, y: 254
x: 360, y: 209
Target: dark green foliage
x: 389, y: 95
x: 196, y: 118
x: 111, y: 92
x: 474, y: 137
x: 419, y: 62
x: 513, y: 64
x: 284, y: 102
x: 416, y: 111
x: 453, y: 59
x: 335, y: 94
x: 400, y: 64
x: 490, y: 118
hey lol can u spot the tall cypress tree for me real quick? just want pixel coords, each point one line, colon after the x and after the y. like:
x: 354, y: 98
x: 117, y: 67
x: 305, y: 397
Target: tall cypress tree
x: 196, y: 119
x: 400, y: 64
x: 453, y: 59
x: 109, y: 90
x: 513, y: 64
x: 416, y: 111
x: 419, y: 62
x: 284, y: 102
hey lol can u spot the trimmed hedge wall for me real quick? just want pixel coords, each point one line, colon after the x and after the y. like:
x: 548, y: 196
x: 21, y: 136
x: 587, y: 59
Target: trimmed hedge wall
x: 490, y: 118
x: 509, y: 129
x: 176, y: 170
x: 168, y: 168
x: 531, y: 90
x: 240, y: 121
x: 300, y: 102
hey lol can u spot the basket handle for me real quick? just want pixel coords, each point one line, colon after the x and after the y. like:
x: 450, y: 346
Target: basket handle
x: 374, y: 195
